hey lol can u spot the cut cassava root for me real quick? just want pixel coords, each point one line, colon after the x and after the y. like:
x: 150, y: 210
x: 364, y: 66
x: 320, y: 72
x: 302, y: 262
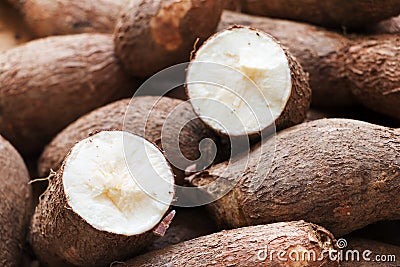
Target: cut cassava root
x: 317, y: 49
x: 60, y: 17
x: 330, y: 13
x: 341, y: 174
x: 15, y: 204
x: 169, y: 123
x: 48, y: 83
x: 258, y: 83
x: 342, y: 70
x: 152, y: 34
x: 105, y: 202
x: 248, y: 247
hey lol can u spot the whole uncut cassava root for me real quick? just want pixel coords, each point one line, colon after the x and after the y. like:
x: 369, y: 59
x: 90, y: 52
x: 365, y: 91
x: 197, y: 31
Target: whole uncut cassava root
x: 248, y: 247
x: 153, y: 34
x: 259, y: 83
x: 341, y: 70
x: 169, y: 123
x: 341, y: 174
x: 15, y: 204
x: 373, y: 65
x: 61, y: 17
x: 330, y: 13
x: 105, y: 204
x: 48, y: 83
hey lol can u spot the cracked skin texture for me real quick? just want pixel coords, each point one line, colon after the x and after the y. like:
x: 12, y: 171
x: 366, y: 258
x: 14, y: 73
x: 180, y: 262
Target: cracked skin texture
x: 15, y: 204
x: 152, y: 34
x: 373, y: 65
x: 240, y: 247
x: 341, y: 174
x: 48, y: 83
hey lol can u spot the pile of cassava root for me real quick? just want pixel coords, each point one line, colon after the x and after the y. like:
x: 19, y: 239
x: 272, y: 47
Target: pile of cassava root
x: 280, y: 146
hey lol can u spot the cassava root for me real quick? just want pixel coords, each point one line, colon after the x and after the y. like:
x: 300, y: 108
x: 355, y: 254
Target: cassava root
x: 169, y: 123
x: 341, y: 174
x: 48, y: 83
x: 15, y: 204
x: 105, y: 203
x: 342, y: 71
x: 246, y: 247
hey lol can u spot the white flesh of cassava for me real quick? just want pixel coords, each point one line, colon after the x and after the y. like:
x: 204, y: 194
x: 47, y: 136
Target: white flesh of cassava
x: 118, y: 182
x: 248, y: 87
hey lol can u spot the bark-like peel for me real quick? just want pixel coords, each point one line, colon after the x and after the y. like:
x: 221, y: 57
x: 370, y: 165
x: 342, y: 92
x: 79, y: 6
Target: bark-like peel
x: 247, y: 247
x: 152, y: 34
x: 15, y: 204
x: 48, y: 83
x: 341, y: 174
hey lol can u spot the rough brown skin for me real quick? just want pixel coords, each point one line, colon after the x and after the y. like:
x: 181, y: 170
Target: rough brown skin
x: 319, y: 51
x: 62, y: 17
x: 342, y: 174
x: 377, y: 248
x: 299, y: 99
x: 48, y: 83
x: 153, y: 34
x: 329, y: 13
x: 112, y: 117
x: 188, y: 223
x: 373, y: 65
x: 362, y: 68
x: 390, y: 26
x: 240, y: 247
x: 60, y: 237
x: 12, y: 31
x: 15, y: 204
